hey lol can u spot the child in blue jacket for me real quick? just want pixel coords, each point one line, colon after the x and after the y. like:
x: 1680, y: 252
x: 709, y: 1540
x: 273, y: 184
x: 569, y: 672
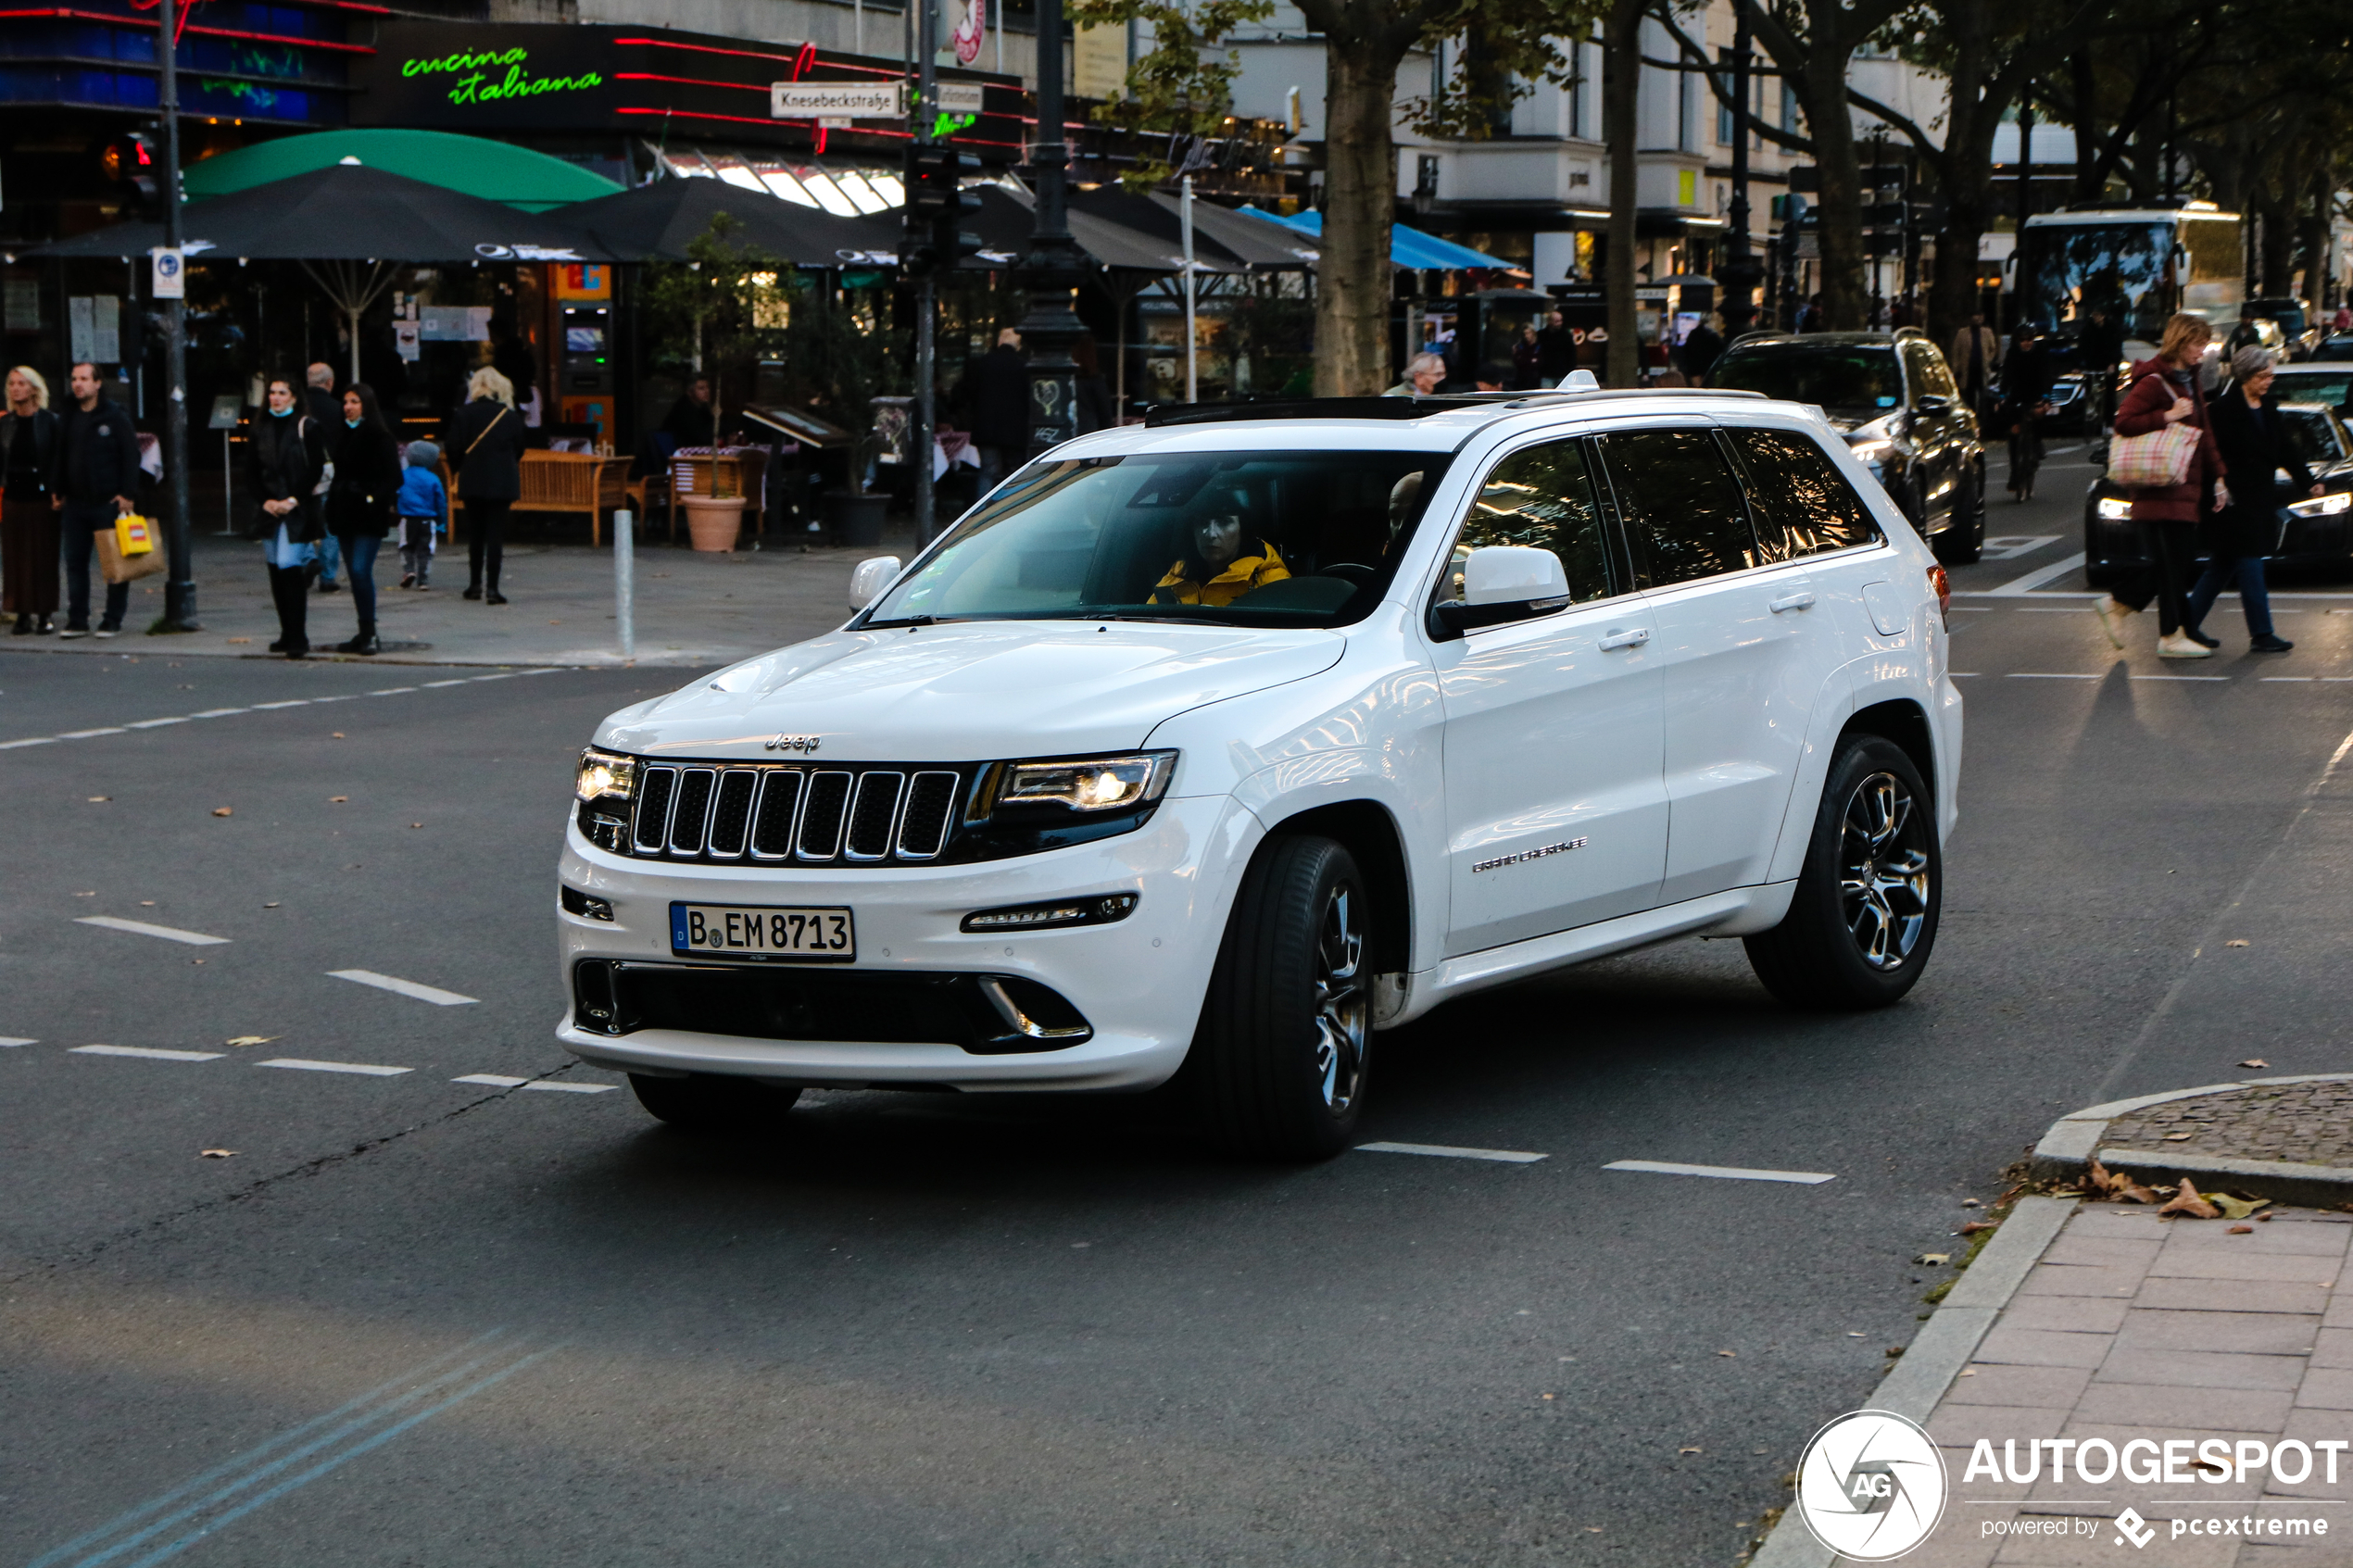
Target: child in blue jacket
x: 424, y: 508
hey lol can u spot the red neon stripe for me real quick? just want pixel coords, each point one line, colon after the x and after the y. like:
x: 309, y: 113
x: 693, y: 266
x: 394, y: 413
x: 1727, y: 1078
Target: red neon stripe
x: 115, y: 19
x: 803, y: 124
x: 686, y: 81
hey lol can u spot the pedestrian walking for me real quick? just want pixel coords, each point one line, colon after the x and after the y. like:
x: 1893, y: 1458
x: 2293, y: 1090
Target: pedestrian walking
x: 325, y: 410
x: 1701, y: 348
x: 2026, y: 389
x: 1425, y: 373
x: 1557, y: 350
x: 360, y: 504
x: 2165, y: 392
x: 423, y: 508
x: 1093, y: 410
x: 487, y: 436
x: 285, y: 453
x: 2252, y: 436
x: 996, y: 399
x: 29, y: 502
x: 1527, y: 356
x: 101, y: 475
x: 1976, y: 351
x: 2343, y: 321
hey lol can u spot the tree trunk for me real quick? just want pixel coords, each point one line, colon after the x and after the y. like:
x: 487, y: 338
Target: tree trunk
x: 1621, y: 82
x: 1352, y: 285
x: 2279, y: 244
x: 2085, y: 110
x: 1824, y: 85
x: 2315, y: 245
x: 1952, y: 297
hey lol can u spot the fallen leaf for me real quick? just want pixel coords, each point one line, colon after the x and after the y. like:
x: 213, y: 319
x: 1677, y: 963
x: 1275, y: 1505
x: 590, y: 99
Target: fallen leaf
x: 1973, y: 1226
x: 2235, y: 1207
x: 1896, y: 1350
x: 1965, y: 1372
x: 91, y: 894
x: 269, y: 906
x: 2255, y: 1061
x: 2188, y: 1201
x: 217, y: 1154
x: 2138, y: 1193
x: 146, y: 903
x: 1686, y: 1450
x: 2238, y: 942
x: 223, y: 811
x: 338, y: 734
x: 338, y: 799
x: 1724, y: 1352
x: 1545, y: 1395
x: 2262, y: 1218
x: 96, y: 799
x: 241, y: 639
x: 2240, y: 1230
x: 1589, y: 1529
x: 1970, y: 1203
x: 2179, y: 1137
x: 411, y: 824
x: 251, y: 1040
x: 1933, y: 1258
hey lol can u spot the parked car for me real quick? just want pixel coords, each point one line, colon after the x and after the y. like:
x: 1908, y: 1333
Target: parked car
x: 2314, y: 381
x: 1895, y: 402
x: 2298, y: 333
x: 2320, y: 534
x: 1216, y: 745
x: 2336, y: 347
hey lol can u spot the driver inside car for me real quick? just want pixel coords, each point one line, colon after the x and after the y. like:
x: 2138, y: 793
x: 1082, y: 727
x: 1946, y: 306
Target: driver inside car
x: 1222, y: 566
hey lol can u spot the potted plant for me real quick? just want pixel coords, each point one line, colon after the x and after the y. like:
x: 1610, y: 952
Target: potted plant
x: 730, y: 295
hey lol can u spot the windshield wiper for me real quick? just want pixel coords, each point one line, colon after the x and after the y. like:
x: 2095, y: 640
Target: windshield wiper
x: 904, y: 620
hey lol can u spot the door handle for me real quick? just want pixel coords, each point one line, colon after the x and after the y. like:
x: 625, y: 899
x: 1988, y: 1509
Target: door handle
x: 1800, y: 600
x: 1632, y: 639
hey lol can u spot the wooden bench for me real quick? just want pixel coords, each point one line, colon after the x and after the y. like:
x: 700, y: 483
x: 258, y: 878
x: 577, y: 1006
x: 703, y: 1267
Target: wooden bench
x: 563, y: 481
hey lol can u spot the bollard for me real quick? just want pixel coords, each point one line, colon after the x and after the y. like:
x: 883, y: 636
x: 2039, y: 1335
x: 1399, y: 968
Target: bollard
x: 624, y: 581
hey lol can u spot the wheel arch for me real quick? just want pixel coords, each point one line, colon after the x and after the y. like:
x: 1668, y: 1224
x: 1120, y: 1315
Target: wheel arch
x: 1371, y: 835
x: 1904, y: 723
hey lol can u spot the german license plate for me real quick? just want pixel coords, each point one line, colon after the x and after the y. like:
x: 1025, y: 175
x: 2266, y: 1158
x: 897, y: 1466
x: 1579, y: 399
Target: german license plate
x: 775, y: 931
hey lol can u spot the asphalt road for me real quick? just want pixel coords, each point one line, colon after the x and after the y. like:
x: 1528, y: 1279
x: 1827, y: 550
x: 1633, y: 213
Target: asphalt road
x: 418, y: 1320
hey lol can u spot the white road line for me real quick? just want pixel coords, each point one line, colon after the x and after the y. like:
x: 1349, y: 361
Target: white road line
x: 86, y: 734
x: 141, y: 928
x: 392, y: 691
x: 2037, y: 675
x: 218, y: 712
x: 1962, y: 674
x: 1728, y: 1173
x: 1446, y: 1151
x: 404, y: 987
x: 461, y: 680
x: 2273, y: 679
x: 36, y: 740
x: 549, y: 1086
x: 149, y: 1052
x: 2036, y: 577
x: 290, y: 702
x: 492, y: 1080
x: 154, y: 723
x: 365, y: 1070
x: 2049, y: 609
x: 2181, y: 677
x: 8, y: 1041
x: 258, y: 707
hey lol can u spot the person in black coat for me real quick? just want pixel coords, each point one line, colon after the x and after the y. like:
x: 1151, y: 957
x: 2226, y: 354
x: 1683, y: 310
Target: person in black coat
x: 285, y: 453
x: 360, y: 503
x: 486, y: 442
x: 2252, y: 434
x: 996, y: 399
x: 28, y: 502
x: 325, y: 410
x: 1094, y: 411
x: 100, y: 476
x: 2025, y: 388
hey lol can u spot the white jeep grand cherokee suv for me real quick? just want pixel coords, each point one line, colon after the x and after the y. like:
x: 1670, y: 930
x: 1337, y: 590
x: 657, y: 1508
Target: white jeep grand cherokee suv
x: 1215, y: 746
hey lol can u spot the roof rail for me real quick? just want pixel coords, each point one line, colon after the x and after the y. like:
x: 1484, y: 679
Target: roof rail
x: 1400, y: 407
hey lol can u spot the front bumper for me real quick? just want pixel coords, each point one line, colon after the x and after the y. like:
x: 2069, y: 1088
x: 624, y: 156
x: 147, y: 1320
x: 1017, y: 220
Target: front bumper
x: 1138, y: 983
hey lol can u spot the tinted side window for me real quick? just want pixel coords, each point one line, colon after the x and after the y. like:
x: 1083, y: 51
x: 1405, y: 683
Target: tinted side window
x: 1683, y: 509
x: 1542, y: 497
x: 1801, y: 495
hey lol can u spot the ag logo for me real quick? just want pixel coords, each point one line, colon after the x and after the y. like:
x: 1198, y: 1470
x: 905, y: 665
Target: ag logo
x: 1871, y: 1486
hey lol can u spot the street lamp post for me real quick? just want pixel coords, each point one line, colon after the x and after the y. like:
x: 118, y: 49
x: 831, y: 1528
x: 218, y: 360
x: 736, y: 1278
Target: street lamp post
x: 922, y: 119
x: 1738, y: 274
x: 180, y: 588
x: 1051, y: 271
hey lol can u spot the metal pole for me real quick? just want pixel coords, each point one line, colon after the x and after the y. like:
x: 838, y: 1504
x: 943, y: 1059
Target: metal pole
x: 920, y: 446
x: 228, y: 502
x: 1051, y: 271
x: 1738, y: 272
x: 1192, y: 386
x: 179, y: 590
x: 624, y: 581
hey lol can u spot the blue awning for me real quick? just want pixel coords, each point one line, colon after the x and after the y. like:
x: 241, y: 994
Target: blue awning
x: 1407, y: 248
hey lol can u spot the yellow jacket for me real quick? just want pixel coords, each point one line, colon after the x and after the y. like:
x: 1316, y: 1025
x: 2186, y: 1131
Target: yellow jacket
x: 1241, y: 574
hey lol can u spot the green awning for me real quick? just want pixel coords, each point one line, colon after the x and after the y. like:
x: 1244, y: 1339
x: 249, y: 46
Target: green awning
x: 473, y: 164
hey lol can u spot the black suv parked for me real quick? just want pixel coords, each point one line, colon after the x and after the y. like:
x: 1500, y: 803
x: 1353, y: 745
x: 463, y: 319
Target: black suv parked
x: 1895, y: 400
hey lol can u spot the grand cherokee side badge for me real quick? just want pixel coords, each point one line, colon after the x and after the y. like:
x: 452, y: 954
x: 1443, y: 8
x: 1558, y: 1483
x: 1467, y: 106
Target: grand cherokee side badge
x: 1561, y: 849
x: 792, y: 743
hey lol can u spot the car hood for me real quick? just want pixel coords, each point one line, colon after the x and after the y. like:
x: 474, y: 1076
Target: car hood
x: 969, y: 692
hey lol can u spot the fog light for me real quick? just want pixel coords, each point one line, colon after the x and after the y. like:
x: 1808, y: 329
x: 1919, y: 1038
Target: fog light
x: 587, y: 906
x: 1094, y: 910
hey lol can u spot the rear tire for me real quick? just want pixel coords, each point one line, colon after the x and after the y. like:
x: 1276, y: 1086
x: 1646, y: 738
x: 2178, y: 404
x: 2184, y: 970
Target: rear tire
x: 1863, y: 920
x: 1281, y: 1060
x: 714, y: 1102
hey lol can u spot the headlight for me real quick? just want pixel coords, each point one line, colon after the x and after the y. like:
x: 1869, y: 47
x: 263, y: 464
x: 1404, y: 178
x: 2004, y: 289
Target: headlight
x: 1874, y: 451
x: 602, y: 775
x: 1098, y: 783
x: 2115, y: 508
x: 2322, y: 506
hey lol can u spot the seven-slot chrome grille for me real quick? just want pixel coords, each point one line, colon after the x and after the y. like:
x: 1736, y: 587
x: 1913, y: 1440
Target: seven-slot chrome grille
x: 809, y: 815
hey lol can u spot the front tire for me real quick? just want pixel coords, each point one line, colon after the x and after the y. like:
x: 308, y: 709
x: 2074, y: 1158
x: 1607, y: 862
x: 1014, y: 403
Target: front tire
x: 1863, y: 920
x: 1963, y: 541
x: 1279, y: 1062
x: 713, y: 1103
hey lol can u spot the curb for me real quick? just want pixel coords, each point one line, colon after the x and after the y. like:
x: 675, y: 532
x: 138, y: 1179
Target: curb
x: 2067, y: 1150
x: 1940, y: 1351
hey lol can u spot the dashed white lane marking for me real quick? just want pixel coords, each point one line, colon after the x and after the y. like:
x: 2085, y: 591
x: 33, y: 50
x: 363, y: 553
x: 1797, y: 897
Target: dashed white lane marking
x: 7, y: 1042
x: 2181, y: 677
x: 404, y: 987
x: 141, y: 928
x: 500, y: 1081
x: 2022, y: 585
x: 363, y: 1069
x: 2037, y: 675
x: 1726, y: 1173
x: 262, y: 708
x: 149, y: 1052
x: 1446, y: 1151
x: 2275, y: 679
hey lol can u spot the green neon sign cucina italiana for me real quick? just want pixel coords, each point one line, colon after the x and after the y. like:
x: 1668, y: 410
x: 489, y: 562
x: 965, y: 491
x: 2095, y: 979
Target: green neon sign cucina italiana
x: 475, y: 85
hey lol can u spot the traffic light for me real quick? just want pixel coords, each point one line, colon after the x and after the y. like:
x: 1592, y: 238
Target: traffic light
x: 936, y: 205
x: 131, y: 159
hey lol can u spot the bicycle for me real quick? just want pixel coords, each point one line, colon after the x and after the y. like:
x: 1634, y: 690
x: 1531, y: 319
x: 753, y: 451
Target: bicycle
x: 2026, y: 452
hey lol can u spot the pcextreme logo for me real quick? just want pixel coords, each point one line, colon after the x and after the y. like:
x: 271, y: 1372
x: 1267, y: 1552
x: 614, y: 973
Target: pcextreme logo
x: 1871, y: 1486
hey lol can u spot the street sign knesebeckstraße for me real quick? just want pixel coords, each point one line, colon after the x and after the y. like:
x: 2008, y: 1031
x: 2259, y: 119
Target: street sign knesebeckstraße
x: 863, y: 100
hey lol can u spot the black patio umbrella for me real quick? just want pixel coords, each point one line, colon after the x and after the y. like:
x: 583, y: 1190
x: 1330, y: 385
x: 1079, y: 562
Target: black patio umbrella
x: 1100, y: 223
x: 657, y: 221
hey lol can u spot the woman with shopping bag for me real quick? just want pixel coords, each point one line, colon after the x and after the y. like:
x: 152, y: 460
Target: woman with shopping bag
x: 286, y: 453
x: 2166, y: 459
x: 360, y: 503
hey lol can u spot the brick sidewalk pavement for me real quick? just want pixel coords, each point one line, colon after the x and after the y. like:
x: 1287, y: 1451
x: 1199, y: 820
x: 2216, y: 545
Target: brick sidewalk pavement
x: 2311, y: 1123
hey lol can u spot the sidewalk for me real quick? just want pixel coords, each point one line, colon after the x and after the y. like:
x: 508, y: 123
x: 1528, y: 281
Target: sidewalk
x: 692, y: 609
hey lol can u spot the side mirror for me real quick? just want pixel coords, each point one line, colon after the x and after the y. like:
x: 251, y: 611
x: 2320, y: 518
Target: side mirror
x: 873, y: 576
x: 1502, y: 583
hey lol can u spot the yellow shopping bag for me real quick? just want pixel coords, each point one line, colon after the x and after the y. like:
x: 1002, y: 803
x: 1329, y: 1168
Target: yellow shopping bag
x: 133, y: 535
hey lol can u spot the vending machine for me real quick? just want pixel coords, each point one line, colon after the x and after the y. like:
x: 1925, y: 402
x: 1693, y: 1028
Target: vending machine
x: 585, y: 379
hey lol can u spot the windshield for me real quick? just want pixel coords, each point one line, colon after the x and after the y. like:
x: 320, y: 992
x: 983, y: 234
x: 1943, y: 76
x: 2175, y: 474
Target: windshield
x: 1861, y: 376
x: 2069, y: 269
x: 2316, y: 435
x: 1230, y: 538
